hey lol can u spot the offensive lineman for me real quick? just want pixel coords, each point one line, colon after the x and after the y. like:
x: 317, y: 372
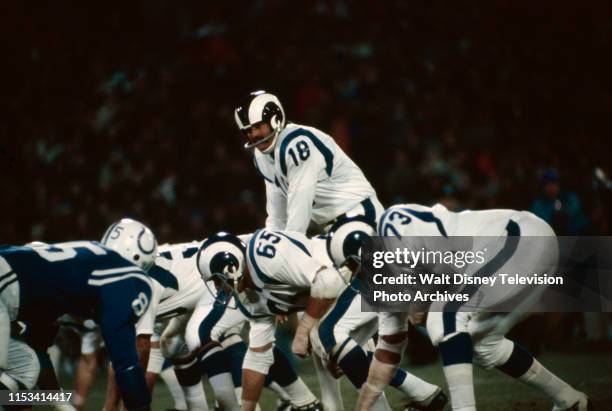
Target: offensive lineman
x: 106, y: 282
x: 307, y: 175
x: 462, y: 335
x: 288, y: 272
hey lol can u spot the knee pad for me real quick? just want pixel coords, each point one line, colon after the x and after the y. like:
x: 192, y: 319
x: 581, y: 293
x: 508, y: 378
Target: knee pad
x: 492, y: 355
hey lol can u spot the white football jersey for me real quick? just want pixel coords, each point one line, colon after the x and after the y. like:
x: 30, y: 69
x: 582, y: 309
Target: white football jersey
x: 177, y: 285
x: 419, y: 220
x: 309, y: 177
x: 283, y: 266
x: 466, y: 231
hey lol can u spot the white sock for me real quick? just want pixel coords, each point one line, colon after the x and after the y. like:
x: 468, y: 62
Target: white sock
x: 169, y: 378
x: 331, y: 397
x: 461, y: 387
x: 196, y: 400
x: 299, y: 394
x: 561, y: 392
x: 417, y: 389
x: 223, y: 388
x: 274, y: 386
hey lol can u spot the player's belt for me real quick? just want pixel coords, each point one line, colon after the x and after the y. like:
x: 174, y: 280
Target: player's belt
x: 369, y: 213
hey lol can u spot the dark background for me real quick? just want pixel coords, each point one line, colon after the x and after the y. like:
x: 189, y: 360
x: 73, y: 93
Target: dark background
x: 115, y: 109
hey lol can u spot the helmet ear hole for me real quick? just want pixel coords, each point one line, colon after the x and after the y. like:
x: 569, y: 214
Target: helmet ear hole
x: 136, y: 257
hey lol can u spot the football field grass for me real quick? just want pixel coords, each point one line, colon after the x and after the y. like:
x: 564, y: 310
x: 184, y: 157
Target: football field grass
x: 591, y: 373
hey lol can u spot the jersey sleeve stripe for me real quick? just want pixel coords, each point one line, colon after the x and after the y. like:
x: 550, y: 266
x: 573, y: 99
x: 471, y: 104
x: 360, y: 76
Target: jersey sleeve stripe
x: 300, y: 132
x: 107, y: 280
x: 164, y: 277
x: 7, y: 281
x: 297, y: 243
x: 113, y: 271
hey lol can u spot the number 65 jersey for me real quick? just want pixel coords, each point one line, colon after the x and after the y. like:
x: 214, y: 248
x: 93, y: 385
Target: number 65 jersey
x: 283, y: 266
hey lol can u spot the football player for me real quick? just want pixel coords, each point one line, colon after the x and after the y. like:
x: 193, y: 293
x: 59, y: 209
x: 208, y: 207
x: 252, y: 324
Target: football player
x: 225, y: 256
x: 106, y: 282
x: 345, y: 329
x: 463, y: 335
x: 307, y: 175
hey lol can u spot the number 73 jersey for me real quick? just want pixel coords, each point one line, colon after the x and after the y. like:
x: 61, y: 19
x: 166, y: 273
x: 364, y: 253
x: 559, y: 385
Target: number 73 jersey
x: 283, y: 265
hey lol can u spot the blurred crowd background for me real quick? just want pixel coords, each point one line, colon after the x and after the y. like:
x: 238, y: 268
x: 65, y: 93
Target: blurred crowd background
x: 119, y: 109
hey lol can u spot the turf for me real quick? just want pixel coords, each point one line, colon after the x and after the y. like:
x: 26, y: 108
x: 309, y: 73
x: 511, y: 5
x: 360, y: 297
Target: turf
x: 591, y: 373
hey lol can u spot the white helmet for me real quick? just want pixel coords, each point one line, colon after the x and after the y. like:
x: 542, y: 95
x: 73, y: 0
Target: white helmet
x: 222, y: 255
x: 258, y: 107
x: 133, y: 240
x: 346, y: 237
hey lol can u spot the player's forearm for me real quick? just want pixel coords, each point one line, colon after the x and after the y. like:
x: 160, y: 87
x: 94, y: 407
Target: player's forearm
x: 252, y: 385
x: 315, y: 309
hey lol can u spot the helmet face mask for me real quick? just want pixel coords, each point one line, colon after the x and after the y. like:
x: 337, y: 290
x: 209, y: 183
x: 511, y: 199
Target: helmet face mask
x: 132, y: 240
x: 261, y: 107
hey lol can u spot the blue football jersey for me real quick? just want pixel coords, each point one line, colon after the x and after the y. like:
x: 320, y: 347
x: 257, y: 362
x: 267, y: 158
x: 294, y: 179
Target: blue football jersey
x: 88, y: 280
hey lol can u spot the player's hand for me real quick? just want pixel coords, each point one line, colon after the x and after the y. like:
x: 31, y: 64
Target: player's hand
x: 301, y: 345
x: 417, y: 317
x: 281, y: 319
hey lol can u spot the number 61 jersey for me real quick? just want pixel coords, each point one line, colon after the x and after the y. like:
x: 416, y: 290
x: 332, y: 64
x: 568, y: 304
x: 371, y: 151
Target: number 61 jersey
x: 81, y: 278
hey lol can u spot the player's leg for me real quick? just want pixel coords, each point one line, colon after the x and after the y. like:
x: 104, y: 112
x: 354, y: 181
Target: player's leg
x: 449, y: 332
x: 207, y: 323
x: 185, y: 362
x: 169, y: 377
x: 282, y: 373
x: 389, y: 349
x: 22, y: 367
x: 333, y: 336
x: 87, y: 364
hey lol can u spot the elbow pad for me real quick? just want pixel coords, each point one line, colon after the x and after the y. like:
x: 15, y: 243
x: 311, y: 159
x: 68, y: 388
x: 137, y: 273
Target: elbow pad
x: 259, y: 361
x: 328, y: 283
x: 133, y: 388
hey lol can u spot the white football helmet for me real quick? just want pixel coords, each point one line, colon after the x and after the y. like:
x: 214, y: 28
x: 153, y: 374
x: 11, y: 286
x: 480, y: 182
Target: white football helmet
x: 133, y: 240
x: 261, y: 106
x: 222, y: 255
x: 346, y: 237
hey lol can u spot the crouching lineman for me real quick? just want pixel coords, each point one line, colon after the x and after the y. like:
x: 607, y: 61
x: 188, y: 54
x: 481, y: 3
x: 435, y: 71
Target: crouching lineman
x: 106, y: 282
x: 279, y: 275
x: 345, y: 329
x: 173, y: 329
x: 462, y: 336
x: 219, y: 325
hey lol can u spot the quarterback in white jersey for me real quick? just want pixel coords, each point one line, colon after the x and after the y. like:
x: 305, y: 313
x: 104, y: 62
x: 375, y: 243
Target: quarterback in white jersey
x: 463, y: 335
x: 283, y: 270
x: 307, y: 175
